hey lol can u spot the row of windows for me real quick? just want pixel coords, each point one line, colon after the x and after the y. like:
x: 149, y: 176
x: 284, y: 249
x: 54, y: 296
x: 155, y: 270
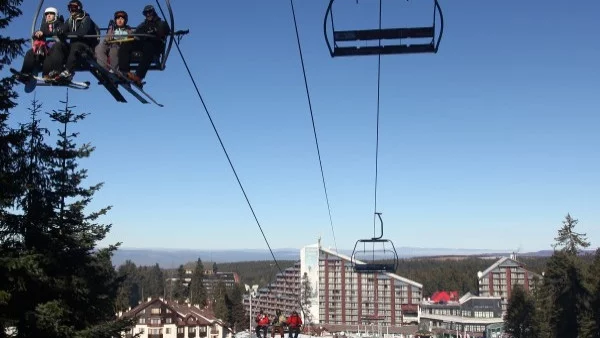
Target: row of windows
x: 367, y: 295
x: 365, y: 300
x: 458, y: 312
x: 155, y: 321
x: 462, y: 327
x: 156, y: 310
x: 191, y: 330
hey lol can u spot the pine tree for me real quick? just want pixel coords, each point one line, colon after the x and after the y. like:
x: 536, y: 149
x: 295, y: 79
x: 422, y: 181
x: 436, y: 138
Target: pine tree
x: 181, y: 290
x: 9, y: 50
x: 568, y: 298
x: 128, y: 294
x: 12, y: 142
x: 306, y: 294
x: 13, y: 183
x: 594, y: 274
x: 221, y: 302
x: 237, y: 314
x: 24, y: 224
x: 541, y: 296
x: 155, y: 281
x: 198, y: 294
x: 571, y: 241
x: 520, y: 319
x: 57, y: 283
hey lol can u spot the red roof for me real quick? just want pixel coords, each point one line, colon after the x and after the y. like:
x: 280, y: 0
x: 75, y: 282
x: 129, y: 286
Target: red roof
x: 445, y: 296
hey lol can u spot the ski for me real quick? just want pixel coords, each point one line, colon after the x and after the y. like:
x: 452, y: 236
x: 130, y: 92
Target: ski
x: 114, y: 79
x: 53, y: 82
x: 120, y: 78
x: 32, y: 81
x: 123, y: 78
x: 108, y: 84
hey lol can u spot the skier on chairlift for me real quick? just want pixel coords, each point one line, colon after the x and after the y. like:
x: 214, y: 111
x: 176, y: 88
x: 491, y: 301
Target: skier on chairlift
x: 63, y: 58
x: 42, y: 42
x: 151, y: 47
x: 107, y: 51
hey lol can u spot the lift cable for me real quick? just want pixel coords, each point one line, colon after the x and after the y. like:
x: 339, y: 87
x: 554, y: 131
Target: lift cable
x: 313, y: 121
x: 223, y: 147
x: 377, y: 129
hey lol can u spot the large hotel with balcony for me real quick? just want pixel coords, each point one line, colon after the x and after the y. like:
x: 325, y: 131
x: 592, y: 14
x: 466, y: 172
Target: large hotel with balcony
x: 340, y: 295
x: 499, y: 279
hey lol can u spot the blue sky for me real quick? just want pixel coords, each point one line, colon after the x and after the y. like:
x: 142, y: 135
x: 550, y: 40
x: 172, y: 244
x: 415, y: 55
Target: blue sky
x: 487, y: 144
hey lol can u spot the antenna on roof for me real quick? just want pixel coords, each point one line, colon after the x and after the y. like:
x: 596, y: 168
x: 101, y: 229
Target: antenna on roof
x: 515, y: 253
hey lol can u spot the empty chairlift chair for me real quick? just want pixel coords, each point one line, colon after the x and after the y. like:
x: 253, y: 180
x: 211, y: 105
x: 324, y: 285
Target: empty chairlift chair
x: 388, y: 35
x: 375, y: 254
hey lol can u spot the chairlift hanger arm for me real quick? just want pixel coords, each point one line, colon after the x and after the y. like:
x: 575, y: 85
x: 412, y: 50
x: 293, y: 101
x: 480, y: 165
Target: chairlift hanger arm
x: 439, y: 10
x: 35, y: 18
x: 172, y: 31
x: 381, y: 222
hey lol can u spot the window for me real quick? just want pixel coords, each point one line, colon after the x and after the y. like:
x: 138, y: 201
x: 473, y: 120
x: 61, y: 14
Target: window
x: 142, y: 320
x: 169, y: 320
x: 155, y: 321
x: 155, y: 311
x: 168, y: 330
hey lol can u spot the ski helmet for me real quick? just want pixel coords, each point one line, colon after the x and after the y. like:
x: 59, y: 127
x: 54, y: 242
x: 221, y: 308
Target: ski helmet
x: 53, y: 11
x: 122, y: 14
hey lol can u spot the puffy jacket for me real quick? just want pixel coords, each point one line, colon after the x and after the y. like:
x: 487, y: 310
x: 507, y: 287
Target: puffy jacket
x: 80, y: 26
x: 48, y: 28
x: 156, y: 27
x: 294, y: 321
x: 264, y: 321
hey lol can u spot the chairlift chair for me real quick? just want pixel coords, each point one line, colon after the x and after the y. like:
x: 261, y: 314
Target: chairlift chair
x: 381, y: 257
x: 158, y: 64
x: 387, y: 34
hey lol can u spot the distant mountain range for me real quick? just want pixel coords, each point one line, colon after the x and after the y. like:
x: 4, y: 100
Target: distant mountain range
x: 169, y: 258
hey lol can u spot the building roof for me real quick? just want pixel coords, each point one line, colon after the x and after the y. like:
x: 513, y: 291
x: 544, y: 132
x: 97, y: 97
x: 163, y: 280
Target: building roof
x: 501, y: 262
x: 389, y: 274
x: 444, y: 296
x: 184, y: 311
x: 468, y: 296
x: 457, y: 302
x: 493, y: 266
x: 203, y: 316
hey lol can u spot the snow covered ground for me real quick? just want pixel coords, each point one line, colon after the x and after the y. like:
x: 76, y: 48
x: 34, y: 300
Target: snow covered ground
x: 353, y: 335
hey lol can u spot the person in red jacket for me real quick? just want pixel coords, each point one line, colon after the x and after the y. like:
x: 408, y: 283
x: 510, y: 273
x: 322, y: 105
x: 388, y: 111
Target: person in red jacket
x: 294, y: 323
x: 262, y: 324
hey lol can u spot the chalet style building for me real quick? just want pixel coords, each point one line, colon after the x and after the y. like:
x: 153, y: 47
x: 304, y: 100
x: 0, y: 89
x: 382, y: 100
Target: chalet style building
x: 158, y: 318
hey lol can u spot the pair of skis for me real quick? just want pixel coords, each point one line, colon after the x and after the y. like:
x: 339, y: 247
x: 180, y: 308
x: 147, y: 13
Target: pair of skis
x: 109, y: 79
x: 32, y: 81
x: 113, y: 78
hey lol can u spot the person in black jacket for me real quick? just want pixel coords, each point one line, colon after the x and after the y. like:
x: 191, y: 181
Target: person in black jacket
x: 63, y: 57
x: 150, y: 46
x: 34, y: 57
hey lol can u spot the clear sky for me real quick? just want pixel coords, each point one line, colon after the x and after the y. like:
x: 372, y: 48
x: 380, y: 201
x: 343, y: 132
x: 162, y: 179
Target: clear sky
x: 487, y: 144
